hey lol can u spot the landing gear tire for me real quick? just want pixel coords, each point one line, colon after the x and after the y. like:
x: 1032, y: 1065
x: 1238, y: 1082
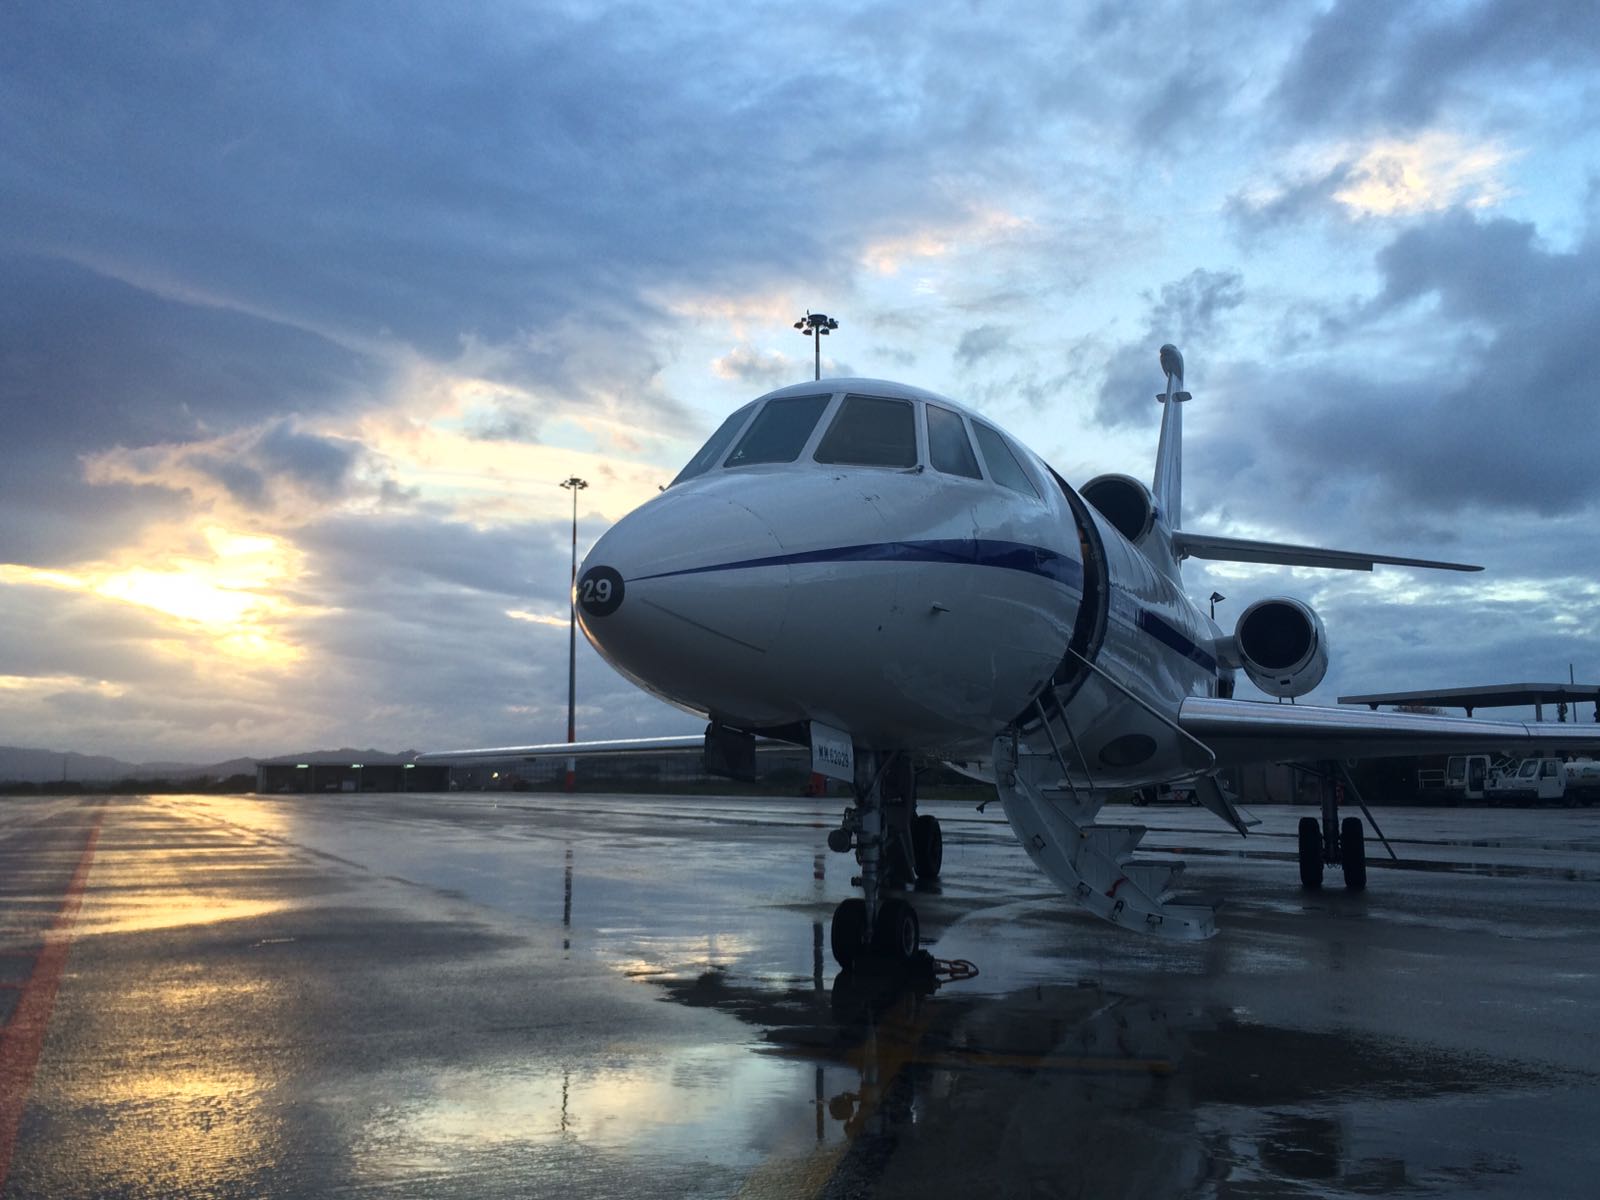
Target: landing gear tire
x: 1353, y: 848
x: 927, y: 845
x: 898, y: 933
x: 1311, y: 854
x: 849, y: 932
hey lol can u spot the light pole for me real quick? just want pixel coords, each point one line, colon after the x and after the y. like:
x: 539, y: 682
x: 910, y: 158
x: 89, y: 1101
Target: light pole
x: 816, y: 326
x: 574, y: 485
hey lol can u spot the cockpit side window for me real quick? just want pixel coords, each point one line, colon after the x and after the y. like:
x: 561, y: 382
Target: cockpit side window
x: 780, y: 431
x: 1003, y: 466
x: 713, y: 449
x: 948, y: 448
x: 871, y: 431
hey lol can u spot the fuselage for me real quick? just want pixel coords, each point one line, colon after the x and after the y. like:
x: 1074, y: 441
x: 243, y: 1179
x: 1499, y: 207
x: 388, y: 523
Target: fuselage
x: 882, y: 560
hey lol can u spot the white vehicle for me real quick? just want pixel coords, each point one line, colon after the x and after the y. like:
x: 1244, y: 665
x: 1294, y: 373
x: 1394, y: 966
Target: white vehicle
x: 1548, y: 780
x: 883, y: 574
x: 1475, y: 776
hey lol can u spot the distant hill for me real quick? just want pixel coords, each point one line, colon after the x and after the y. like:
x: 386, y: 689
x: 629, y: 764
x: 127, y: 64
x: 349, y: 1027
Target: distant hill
x: 19, y: 764
x: 24, y: 764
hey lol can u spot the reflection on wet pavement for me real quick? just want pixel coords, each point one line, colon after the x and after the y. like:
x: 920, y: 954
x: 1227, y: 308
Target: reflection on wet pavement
x: 1071, y: 1090
x: 444, y: 996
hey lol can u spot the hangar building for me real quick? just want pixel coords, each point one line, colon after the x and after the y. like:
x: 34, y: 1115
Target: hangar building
x: 348, y: 771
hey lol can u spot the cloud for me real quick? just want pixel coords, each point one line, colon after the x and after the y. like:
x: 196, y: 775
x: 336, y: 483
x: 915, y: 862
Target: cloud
x: 978, y: 228
x: 486, y: 177
x: 1371, y: 61
x: 763, y: 369
x: 277, y: 471
x: 1452, y: 413
x: 1188, y: 310
x: 349, y: 553
x: 367, y: 281
x: 981, y: 343
x: 506, y: 421
x: 1429, y: 173
x: 87, y: 362
x: 1388, y: 178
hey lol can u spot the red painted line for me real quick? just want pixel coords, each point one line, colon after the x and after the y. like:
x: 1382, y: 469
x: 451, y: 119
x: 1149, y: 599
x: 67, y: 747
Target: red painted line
x: 22, y: 1040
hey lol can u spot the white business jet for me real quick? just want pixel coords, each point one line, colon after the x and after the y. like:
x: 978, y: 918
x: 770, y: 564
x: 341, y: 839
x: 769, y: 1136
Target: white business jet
x: 884, y: 575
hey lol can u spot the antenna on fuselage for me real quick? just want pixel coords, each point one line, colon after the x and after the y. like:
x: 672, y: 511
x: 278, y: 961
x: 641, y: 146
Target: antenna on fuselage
x: 1167, y: 486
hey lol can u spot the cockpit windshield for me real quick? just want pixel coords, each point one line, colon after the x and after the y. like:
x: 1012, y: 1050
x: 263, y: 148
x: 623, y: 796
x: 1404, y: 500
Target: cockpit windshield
x: 948, y: 448
x: 870, y: 431
x: 780, y: 431
x: 1004, y: 468
x: 864, y: 431
x: 712, y: 450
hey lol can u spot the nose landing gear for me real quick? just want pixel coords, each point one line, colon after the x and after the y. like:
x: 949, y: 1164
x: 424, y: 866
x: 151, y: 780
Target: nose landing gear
x: 894, y: 845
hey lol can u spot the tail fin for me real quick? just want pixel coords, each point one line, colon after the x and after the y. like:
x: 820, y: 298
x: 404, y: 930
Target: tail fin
x: 1166, y: 490
x: 1167, y: 487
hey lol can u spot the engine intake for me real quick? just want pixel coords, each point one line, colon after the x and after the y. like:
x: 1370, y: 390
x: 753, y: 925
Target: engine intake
x: 1125, y: 502
x: 1282, y: 646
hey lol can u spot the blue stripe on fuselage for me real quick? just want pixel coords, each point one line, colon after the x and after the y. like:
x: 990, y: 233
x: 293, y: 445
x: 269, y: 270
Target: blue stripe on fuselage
x: 981, y: 552
x: 1175, y: 639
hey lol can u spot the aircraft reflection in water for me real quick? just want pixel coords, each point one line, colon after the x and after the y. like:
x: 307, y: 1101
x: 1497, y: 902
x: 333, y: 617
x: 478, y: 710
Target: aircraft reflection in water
x: 877, y: 572
x: 1020, y: 1094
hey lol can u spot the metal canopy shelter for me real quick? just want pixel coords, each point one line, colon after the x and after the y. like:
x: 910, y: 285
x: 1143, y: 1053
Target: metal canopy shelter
x: 1495, y: 695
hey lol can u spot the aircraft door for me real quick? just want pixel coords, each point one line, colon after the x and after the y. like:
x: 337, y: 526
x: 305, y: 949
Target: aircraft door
x: 1090, y: 630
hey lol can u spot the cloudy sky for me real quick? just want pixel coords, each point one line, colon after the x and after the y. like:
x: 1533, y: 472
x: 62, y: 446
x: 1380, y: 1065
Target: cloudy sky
x: 306, y: 309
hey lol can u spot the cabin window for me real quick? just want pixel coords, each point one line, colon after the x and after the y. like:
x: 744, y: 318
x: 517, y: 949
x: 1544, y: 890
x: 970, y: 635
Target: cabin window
x: 870, y: 431
x: 713, y: 449
x: 948, y: 448
x: 780, y: 431
x: 1003, y: 466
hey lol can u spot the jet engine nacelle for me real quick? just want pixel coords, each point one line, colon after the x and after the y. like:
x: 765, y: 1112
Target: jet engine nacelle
x: 1281, y: 645
x: 1125, y: 502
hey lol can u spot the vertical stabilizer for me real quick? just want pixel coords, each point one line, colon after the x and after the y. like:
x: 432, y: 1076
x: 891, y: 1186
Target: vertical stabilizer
x: 1167, y: 487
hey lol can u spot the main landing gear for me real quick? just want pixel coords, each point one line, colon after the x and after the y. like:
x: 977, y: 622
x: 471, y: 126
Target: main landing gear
x: 1334, y: 842
x: 894, y: 845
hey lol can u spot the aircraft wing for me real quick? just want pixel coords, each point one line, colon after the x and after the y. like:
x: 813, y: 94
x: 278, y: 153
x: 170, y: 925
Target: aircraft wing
x: 1251, y: 731
x: 657, y: 745
x: 1227, y: 549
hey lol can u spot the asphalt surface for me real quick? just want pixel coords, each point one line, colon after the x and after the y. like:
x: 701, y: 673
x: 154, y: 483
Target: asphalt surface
x: 470, y: 995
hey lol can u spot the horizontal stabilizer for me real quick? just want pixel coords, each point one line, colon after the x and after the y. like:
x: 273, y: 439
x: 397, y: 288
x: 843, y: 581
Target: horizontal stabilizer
x: 1227, y: 549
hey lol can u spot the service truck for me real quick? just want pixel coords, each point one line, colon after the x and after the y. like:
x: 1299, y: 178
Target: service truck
x: 1546, y: 780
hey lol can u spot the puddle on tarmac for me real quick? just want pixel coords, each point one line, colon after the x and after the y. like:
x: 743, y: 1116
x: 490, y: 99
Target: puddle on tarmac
x: 1076, y: 1090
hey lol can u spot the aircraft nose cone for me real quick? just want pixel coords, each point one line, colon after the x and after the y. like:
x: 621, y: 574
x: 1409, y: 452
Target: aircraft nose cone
x: 686, y: 588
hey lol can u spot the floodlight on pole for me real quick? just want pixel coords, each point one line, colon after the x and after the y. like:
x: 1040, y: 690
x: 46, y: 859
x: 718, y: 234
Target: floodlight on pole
x: 575, y: 485
x: 816, y: 326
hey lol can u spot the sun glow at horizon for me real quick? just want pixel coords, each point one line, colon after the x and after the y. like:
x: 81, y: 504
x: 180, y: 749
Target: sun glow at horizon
x: 229, y: 596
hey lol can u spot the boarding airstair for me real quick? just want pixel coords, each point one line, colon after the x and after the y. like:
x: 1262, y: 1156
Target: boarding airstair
x: 1093, y: 864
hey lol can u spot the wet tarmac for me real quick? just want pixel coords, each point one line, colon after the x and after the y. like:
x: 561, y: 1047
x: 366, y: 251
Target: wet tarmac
x: 470, y: 995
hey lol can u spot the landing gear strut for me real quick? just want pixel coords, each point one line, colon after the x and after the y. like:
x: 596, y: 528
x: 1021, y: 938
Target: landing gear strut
x: 894, y: 845
x: 1331, y: 842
